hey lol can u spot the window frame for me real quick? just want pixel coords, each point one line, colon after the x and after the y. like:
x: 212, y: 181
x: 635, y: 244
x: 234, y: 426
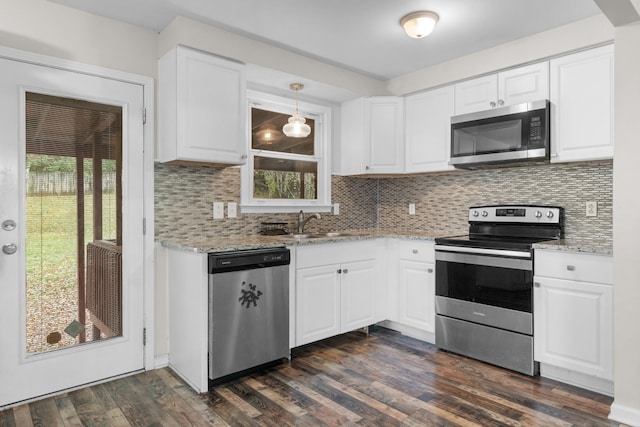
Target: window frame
x: 322, y: 118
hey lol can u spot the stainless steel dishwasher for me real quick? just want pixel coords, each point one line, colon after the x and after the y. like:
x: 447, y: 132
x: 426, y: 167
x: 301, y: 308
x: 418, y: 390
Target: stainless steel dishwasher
x: 248, y: 310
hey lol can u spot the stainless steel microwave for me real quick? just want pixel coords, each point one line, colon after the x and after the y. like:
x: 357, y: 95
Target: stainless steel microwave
x: 501, y: 136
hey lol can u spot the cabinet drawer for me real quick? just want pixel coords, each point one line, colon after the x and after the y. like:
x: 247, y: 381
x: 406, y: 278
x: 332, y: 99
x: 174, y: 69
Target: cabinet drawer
x: 416, y: 250
x: 335, y: 253
x: 574, y: 266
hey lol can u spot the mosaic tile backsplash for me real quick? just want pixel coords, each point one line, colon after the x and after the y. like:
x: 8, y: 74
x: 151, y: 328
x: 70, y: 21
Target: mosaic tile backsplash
x: 184, y: 197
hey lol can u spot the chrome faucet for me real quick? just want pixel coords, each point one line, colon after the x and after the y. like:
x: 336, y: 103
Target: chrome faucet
x: 302, y: 221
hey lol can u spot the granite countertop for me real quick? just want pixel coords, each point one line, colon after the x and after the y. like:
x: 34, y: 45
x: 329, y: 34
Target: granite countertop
x: 221, y: 244
x: 599, y: 247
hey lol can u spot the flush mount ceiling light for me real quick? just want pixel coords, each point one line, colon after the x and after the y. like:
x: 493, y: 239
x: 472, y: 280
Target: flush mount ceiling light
x: 296, y: 128
x: 419, y: 24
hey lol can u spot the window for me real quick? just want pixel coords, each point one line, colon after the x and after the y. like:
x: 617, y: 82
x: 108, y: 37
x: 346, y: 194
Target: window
x: 285, y: 174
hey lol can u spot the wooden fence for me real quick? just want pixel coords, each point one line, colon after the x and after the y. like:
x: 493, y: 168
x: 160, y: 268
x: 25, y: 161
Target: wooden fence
x: 57, y: 183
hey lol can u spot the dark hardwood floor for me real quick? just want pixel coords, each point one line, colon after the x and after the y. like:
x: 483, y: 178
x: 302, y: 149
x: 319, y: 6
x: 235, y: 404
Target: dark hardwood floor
x: 385, y: 379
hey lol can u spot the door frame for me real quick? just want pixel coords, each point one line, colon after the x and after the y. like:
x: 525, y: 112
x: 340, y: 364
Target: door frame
x: 147, y: 84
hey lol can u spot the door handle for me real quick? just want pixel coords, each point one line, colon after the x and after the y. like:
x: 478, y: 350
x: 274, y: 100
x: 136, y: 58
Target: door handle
x: 9, y: 248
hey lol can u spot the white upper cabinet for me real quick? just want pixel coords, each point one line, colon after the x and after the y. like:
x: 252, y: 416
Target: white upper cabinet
x: 372, y: 136
x: 202, y: 101
x: 515, y: 86
x: 582, y: 106
x: 428, y: 130
x: 384, y: 134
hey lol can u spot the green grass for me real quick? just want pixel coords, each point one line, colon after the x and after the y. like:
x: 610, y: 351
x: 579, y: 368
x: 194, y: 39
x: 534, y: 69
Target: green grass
x: 51, y: 261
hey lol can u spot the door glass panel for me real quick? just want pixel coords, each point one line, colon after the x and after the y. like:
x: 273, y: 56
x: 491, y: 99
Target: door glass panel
x: 74, y: 222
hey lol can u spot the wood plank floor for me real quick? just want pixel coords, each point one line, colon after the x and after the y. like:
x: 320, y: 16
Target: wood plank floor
x: 385, y: 379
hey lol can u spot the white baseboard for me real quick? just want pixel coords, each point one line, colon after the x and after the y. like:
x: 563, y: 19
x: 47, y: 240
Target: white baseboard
x: 161, y: 361
x: 625, y: 415
x: 409, y: 331
x: 589, y: 382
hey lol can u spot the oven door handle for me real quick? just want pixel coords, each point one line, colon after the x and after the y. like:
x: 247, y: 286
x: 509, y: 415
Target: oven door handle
x: 485, y: 261
x: 483, y: 251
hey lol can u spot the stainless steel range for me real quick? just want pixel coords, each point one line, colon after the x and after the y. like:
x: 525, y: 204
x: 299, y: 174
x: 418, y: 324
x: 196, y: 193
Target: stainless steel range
x: 484, y: 284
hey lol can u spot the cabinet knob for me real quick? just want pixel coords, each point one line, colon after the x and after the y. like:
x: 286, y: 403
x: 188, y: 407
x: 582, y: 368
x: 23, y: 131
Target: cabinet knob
x: 345, y: 271
x: 536, y: 284
x: 366, y: 167
x: 571, y: 267
x: 429, y: 270
x: 500, y: 102
x: 415, y: 251
x: 492, y: 104
x: 243, y: 157
x: 339, y: 271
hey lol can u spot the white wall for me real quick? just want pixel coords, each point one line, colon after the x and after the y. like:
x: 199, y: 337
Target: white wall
x: 626, y: 226
x: 48, y: 28
x: 220, y: 42
x: 577, y: 35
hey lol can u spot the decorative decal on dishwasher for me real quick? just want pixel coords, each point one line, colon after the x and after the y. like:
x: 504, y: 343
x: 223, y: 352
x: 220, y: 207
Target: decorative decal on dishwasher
x: 249, y: 296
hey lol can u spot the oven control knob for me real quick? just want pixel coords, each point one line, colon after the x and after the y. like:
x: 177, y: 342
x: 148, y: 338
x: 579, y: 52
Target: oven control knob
x: 538, y: 214
x: 476, y: 213
x: 485, y: 213
x: 550, y: 214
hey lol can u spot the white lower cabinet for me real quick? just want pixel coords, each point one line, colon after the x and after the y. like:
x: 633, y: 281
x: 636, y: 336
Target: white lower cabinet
x: 337, y: 289
x: 416, y: 285
x: 573, y: 316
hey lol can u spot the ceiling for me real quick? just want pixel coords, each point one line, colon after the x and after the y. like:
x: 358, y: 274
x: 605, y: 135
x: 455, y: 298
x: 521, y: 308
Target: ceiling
x: 359, y: 35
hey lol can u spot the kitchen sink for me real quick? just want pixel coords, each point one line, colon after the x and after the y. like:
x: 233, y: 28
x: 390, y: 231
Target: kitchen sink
x: 303, y: 236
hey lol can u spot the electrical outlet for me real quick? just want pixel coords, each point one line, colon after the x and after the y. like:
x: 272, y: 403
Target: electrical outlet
x: 592, y: 208
x: 336, y: 208
x: 218, y: 210
x: 232, y: 210
x: 412, y: 208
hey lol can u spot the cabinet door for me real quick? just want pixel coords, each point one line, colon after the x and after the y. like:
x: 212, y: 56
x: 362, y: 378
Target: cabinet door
x: 317, y: 303
x: 523, y: 84
x: 203, y: 108
x: 416, y: 285
x: 573, y: 324
x: 582, y: 106
x: 428, y: 130
x: 384, y: 134
x: 476, y: 94
x: 358, y: 289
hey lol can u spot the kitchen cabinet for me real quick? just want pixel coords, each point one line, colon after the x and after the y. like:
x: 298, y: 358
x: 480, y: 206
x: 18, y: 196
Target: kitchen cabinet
x: 582, y: 106
x: 416, y: 285
x: 573, y: 314
x: 186, y: 274
x: 515, y: 86
x: 337, y: 289
x: 372, y: 136
x: 202, y: 116
x: 428, y: 130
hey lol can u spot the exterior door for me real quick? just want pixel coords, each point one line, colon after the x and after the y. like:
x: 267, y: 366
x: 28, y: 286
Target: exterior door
x: 88, y: 127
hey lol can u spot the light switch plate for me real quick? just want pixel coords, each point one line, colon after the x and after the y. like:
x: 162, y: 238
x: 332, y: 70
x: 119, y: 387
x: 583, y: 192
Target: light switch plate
x: 232, y: 210
x: 592, y: 208
x: 218, y: 210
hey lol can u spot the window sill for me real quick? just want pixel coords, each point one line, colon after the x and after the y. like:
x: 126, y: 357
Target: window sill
x: 284, y: 208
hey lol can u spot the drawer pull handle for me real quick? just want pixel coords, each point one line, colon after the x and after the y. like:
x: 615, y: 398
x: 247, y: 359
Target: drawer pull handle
x: 570, y: 267
x: 415, y: 251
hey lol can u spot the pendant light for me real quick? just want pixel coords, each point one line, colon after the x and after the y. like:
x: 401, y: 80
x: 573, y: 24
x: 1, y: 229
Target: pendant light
x: 296, y: 128
x: 419, y: 24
